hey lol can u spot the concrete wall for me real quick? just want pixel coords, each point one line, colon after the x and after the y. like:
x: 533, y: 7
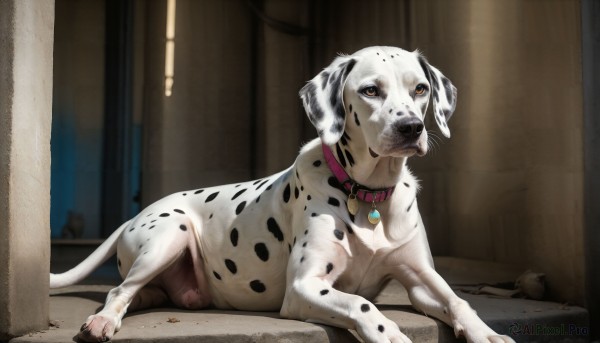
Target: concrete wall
x: 234, y: 113
x: 26, y: 41
x: 508, y: 186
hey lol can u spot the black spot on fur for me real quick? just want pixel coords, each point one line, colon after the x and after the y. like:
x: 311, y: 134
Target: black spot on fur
x: 296, y: 193
x: 183, y: 227
x: 211, y: 215
x: 380, y: 328
x: 350, y: 108
x: 217, y: 275
x: 257, y: 182
x: 152, y: 221
x: 257, y: 199
x: 211, y: 197
x: 240, y: 207
x: 333, y: 182
x: 337, y: 127
x: 350, y: 231
x: 261, y: 251
x: 317, y: 163
x: 269, y: 187
x: 306, y: 232
x: 410, y: 206
x: 199, y: 191
x: 274, y: 229
x: 325, y: 291
x: 373, y: 153
x: 349, y: 157
x: 179, y: 211
x: 286, y: 193
x: 262, y: 184
x: 231, y: 266
x: 164, y: 215
x: 406, y: 184
x: 338, y: 234
x: 333, y: 202
x: 340, y: 155
x: 302, y: 259
x: 238, y: 193
x: 308, y: 197
x: 351, y: 216
x: 233, y: 236
x: 329, y: 267
x: 304, y: 244
x: 140, y: 247
x: 257, y: 286
x: 289, y: 247
x: 309, y: 96
x: 313, y: 214
x: 325, y: 78
x: 425, y: 67
x: 356, y: 119
x: 132, y: 228
x: 151, y: 227
x: 184, y: 194
x: 448, y: 88
x: 365, y: 307
x: 119, y: 262
x: 343, y: 140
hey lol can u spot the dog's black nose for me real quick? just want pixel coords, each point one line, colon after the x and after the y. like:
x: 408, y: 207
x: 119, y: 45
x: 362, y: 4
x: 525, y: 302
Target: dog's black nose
x: 411, y: 128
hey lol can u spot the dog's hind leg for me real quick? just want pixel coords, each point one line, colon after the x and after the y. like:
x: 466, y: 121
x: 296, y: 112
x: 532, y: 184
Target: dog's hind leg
x: 150, y: 263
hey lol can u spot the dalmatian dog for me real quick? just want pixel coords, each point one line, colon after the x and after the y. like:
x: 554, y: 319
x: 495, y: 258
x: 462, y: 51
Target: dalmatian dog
x: 317, y: 241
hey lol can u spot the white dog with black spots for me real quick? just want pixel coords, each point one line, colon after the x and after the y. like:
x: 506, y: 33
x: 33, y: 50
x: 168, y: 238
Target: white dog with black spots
x: 317, y: 241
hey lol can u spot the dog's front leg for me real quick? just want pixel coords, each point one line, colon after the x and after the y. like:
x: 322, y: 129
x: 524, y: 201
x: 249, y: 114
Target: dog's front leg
x: 315, y: 264
x: 431, y: 294
x: 315, y: 300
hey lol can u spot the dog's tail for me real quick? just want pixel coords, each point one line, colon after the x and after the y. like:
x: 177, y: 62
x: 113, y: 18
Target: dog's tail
x: 99, y: 256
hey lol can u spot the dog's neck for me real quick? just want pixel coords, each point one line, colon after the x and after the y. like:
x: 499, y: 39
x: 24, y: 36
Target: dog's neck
x: 365, y: 168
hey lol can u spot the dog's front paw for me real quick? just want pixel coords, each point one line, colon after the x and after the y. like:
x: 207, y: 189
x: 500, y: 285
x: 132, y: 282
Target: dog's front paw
x: 466, y: 323
x: 98, y: 328
x: 383, y: 330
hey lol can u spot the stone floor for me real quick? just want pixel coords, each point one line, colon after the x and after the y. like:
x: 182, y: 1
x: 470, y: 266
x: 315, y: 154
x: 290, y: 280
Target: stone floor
x: 525, y: 320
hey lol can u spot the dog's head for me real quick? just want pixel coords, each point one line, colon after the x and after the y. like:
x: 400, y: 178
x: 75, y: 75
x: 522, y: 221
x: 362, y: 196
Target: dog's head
x: 384, y: 93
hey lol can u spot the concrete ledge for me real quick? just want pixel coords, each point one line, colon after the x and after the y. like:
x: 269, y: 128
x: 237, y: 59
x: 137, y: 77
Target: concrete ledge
x: 535, y: 321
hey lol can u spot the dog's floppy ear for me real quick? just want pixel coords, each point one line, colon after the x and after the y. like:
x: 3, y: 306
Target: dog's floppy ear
x: 324, y: 102
x: 443, y: 93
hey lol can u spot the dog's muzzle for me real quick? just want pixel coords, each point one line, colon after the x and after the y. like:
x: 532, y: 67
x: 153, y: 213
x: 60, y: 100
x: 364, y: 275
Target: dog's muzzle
x: 407, y: 136
x: 410, y: 129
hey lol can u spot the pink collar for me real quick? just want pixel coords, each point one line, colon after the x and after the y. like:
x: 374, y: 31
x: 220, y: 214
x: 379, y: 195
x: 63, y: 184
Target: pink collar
x: 352, y: 187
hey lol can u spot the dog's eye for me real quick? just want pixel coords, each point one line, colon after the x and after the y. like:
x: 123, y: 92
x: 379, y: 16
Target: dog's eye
x: 370, y: 91
x: 421, y: 89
